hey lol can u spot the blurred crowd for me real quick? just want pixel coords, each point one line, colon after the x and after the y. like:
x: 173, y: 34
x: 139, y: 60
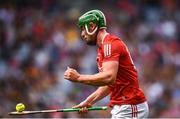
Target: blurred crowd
x: 40, y: 38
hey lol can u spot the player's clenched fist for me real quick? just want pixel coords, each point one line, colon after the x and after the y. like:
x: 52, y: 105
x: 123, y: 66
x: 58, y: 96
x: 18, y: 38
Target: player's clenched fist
x: 71, y: 74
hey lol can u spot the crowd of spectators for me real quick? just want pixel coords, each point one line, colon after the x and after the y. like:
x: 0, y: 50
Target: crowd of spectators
x: 40, y: 38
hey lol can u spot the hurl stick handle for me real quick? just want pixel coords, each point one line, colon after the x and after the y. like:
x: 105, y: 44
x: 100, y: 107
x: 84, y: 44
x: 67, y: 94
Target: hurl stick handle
x: 77, y: 109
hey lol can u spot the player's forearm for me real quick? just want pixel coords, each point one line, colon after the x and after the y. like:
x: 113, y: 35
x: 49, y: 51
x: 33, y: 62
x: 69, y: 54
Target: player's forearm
x: 90, y: 98
x: 100, y: 93
x: 99, y: 79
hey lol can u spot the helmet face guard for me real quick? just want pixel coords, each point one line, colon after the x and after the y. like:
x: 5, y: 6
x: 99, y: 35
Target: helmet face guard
x: 95, y: 16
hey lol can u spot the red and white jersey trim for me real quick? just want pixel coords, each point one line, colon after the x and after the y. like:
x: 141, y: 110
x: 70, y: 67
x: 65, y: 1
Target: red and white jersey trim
x: 107, y: 50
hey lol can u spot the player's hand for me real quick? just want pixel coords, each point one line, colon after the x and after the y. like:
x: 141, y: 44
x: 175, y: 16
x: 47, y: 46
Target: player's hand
x: 84, y: 107
x: 71, y: 74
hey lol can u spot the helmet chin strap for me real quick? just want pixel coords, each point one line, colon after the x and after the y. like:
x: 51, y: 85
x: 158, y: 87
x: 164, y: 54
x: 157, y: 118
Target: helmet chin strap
x: 90, y: 33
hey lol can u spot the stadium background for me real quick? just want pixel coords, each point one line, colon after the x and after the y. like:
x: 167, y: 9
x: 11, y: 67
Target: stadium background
x: 39, y: 39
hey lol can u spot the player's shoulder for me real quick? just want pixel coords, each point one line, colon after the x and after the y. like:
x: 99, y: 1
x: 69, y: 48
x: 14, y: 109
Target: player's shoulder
x: 113, y: 40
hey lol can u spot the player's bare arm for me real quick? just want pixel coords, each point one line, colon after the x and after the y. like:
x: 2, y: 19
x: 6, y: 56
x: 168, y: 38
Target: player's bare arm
x: 106, y: 77
x: 100, y: 93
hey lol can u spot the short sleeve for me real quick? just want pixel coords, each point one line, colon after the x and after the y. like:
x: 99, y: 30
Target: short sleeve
x: 112, y: 50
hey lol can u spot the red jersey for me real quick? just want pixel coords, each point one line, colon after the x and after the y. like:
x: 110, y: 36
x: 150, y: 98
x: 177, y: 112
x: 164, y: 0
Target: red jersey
x: 126, y: 88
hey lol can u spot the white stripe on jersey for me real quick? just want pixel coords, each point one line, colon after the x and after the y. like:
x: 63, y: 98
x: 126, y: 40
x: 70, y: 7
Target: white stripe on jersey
x: 107, y: 50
